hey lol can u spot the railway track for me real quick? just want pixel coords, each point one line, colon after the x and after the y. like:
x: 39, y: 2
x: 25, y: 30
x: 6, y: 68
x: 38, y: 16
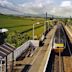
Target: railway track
x: 64, y: 65
x: 62, y: 61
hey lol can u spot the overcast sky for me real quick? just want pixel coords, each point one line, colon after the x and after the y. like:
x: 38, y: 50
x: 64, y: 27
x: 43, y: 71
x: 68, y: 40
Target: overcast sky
x: 54, y: 7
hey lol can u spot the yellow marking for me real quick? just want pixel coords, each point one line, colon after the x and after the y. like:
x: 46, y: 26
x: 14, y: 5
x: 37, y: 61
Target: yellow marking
x: 59, y: 45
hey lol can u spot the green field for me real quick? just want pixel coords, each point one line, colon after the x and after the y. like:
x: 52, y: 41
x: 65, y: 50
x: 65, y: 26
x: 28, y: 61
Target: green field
x: 20, y: 28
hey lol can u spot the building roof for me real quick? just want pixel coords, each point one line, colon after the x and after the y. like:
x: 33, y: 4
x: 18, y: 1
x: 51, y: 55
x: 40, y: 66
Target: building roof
x: 5, y: 49
x: 3, y: 30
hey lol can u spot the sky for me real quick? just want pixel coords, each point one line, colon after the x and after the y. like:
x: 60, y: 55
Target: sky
x: 53, y: 7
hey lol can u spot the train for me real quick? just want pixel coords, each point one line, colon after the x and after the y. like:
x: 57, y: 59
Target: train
x: 59, y: 40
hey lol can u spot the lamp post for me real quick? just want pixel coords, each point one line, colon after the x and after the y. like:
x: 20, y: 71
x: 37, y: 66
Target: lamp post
x: 45, y: 25
x: 33, y: 28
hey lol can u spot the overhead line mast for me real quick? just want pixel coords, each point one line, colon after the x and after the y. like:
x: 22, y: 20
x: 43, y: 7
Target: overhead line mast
x: 46, y: 21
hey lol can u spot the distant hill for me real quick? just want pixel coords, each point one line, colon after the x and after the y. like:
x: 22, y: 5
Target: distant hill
x: 9, y: 16
x: 26, y: 15
x: 32, y: 15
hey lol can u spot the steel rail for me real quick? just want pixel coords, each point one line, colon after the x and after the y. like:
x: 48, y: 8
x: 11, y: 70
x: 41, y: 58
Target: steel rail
x: 59, y: 55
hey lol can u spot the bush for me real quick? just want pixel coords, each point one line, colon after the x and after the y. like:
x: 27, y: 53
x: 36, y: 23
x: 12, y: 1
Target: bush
x: 17, y: 39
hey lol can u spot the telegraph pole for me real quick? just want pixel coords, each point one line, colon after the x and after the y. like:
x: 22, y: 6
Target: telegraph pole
x: 46, y: 22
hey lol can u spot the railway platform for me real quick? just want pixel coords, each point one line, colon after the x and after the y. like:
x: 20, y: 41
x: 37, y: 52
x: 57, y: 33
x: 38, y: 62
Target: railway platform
x: 38, y: 61
x: 39, y: 65
x: 69, y: 32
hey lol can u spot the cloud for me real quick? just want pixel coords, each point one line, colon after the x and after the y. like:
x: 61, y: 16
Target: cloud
x: 33, y: 7
x: 6, y: 5
x: 62, y: 11
x: 66, y: 4
x: 36, y: 7
x: 64, y: 8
